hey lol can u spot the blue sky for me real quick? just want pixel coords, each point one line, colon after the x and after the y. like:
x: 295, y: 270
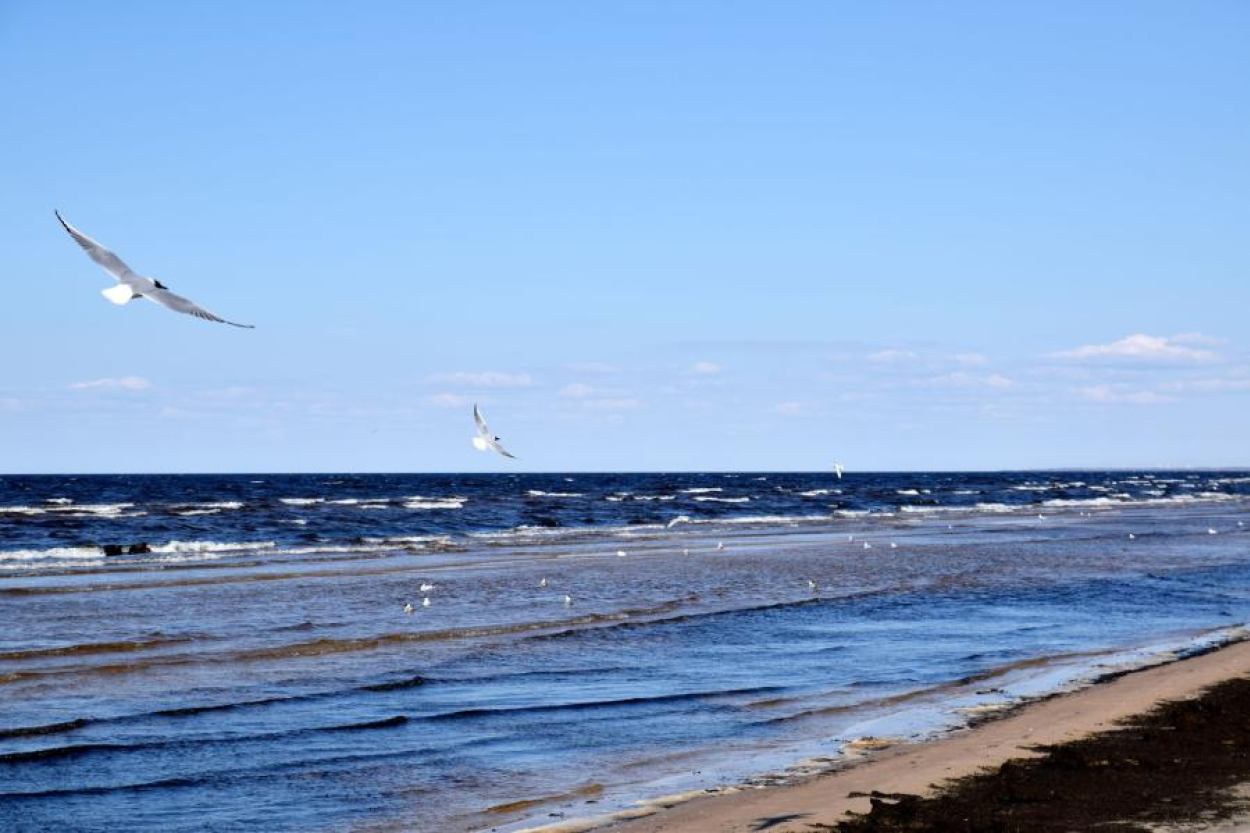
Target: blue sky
x: 652, y: 236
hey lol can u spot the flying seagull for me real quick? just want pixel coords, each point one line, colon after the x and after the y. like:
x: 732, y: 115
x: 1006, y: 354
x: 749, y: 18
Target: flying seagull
x: 131, y: 286
x: 485, y: 440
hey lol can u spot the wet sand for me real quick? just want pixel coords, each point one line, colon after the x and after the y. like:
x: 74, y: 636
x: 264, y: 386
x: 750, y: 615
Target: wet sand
x: 821, y: 801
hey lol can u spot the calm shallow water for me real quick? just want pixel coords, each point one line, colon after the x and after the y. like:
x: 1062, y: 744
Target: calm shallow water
x: 256, y: 669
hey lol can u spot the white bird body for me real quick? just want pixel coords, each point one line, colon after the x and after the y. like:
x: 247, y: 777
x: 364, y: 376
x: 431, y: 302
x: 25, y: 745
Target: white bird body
x: 620, y: 553
x: 867, y: 545
x: 426, y: 587
x: 893, y: 545
x: 838, y: 468
x: 485, y: 439
x: 1132, y: 537
x: 425, y: 602
x: 720, y: 545
x: 811, y: 585
x: 1211, y: 531
x: 568, y: 600
x: 408, y: 608
x: 131, y: 286
x: 542, y: 583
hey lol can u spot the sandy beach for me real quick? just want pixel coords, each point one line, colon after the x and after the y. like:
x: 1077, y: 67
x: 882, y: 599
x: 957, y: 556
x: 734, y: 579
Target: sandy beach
x: 826, y: 799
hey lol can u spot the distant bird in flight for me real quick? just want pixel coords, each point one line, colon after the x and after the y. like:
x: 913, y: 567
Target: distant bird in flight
x: 131, y: 286
x: 838, y: 469
x: 485, y: 440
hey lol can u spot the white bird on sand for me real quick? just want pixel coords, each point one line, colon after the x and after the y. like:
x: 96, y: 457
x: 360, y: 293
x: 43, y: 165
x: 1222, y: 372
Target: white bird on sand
x: 425, y: 602
x: 131, y: 286
x: 568, y: 600
x: 426, y: 587
x: 485, y: 440
x: 542, y: 583
x: 838, y: 468
x: 720, y: 545
x: 408, y: 608
x: 680, y: 519
x: 620, y: 553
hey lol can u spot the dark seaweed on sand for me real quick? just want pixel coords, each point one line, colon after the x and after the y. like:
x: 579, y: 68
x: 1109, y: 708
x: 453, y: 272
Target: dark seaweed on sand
x: 1178, y: 763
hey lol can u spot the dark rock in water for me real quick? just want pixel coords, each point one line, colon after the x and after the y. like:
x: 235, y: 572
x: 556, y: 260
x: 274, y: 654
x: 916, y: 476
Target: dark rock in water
x: 123, y: 549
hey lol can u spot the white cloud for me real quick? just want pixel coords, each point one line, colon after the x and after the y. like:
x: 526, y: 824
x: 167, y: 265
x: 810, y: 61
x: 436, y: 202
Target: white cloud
x: 121, y: 383
x: 594, y: 367
x: 790, y: 409
x: 622, y: 403
x: 891, y: 355
x: 970, y: 359
x: 1108, y: 395
x: 485, y: 379
x: 448, y: 400
x: 1209, y: 386
x: 1198, y: 338
x: 960, y: 379
x: 577, y: 390
x: 705, y: 368
x: 1144, y: 347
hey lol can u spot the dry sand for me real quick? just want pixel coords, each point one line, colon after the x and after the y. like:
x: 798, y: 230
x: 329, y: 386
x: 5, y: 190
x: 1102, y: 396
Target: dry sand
x: 915, y: 768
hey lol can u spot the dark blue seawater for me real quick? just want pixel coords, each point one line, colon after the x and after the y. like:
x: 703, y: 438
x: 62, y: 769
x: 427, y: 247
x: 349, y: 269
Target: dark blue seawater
x: 250, y: 664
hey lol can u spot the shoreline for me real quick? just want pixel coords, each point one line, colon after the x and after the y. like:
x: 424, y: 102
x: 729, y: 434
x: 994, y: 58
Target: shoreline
x: 914, y: 768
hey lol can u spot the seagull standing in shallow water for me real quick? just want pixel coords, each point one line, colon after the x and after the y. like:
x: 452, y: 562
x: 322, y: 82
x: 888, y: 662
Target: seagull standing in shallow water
x: 485, y: 440
x: 838, y: 468
x: 408, y: 608
x: 131, y: 286
x: 425, y: 602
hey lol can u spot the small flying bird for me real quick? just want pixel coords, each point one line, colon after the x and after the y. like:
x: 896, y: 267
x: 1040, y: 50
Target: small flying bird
x: 131, y: 286
x: 680, y: 519
x: 838, y: 468
x: 408, y: 608
x: 542, y: 583
x: 426, y: 587
x: 568, y: 600
x: 485, y: 440
x: 425, y: 602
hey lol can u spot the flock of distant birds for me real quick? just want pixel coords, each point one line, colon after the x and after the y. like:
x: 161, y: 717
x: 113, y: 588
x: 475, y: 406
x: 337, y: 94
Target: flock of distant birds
x: 131, y: 286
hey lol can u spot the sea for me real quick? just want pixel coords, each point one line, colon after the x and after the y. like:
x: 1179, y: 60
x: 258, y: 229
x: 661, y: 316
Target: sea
x: 452, y: 652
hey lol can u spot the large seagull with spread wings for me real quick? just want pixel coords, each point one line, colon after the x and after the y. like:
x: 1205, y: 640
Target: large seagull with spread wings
x: 131, y: 286
x: 486, y: 439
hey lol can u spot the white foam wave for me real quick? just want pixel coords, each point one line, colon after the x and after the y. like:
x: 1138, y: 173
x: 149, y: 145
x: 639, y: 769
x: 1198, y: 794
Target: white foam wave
x: 417, y: 502
x: 705, y: 499
x: 541, y: 493
x: 701, y: 491
x: 302, y: 501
